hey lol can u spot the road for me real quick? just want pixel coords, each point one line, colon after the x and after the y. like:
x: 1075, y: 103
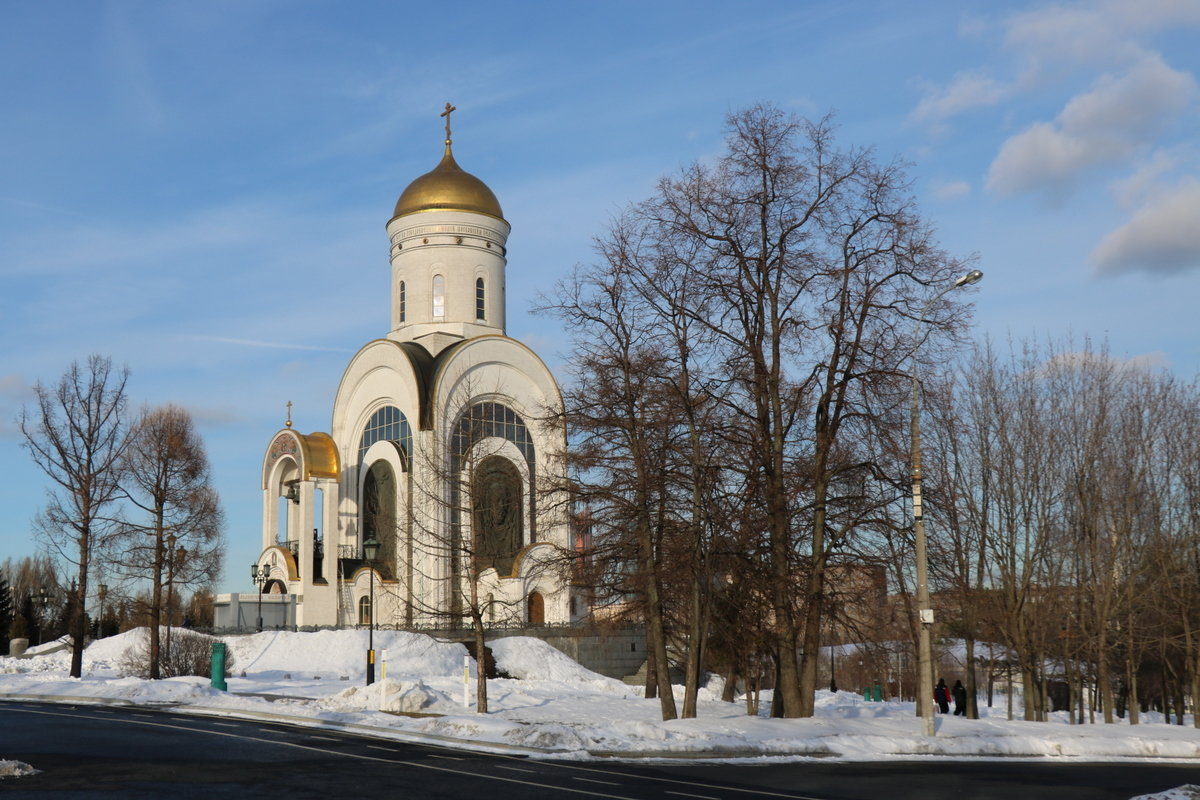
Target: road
x: 111, y: 752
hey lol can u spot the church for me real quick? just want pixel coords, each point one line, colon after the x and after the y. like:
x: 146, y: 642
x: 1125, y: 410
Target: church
x: 435, y: 497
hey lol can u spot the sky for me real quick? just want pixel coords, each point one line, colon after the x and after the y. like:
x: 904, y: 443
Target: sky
x: 199, y: 190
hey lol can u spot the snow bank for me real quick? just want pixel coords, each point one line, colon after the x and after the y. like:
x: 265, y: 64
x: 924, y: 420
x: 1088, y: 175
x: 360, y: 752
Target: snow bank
x: 337, y: 653
x: 529, y: 659
x: 553, y: 704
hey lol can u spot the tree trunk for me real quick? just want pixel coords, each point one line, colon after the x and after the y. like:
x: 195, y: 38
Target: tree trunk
x: 972, y: 685
x: 697, y: 634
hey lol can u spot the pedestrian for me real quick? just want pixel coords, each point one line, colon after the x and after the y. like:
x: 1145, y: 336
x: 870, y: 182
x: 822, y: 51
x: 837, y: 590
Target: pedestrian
x: 960, y: 699
x: 941, y: 693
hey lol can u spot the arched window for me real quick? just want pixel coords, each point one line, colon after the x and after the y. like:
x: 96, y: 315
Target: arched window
x: 486, y: 419
x: 401, y: 300
x: 439, y: 297
x: 479, y: 298
x: 386, y: 424
x: 480, y: 421
x: 364, y: 610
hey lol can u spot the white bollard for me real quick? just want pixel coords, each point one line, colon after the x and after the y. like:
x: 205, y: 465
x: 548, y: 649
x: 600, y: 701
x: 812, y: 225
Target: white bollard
x: 382, y: 676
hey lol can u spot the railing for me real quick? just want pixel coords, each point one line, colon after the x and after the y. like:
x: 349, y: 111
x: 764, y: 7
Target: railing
x: 347, y: 551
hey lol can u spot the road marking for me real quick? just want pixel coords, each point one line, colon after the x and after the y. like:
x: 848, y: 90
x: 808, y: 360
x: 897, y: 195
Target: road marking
x: 514, y: 769
x: 447, y: 758
x: 363, y: 757
x: 593, y: 780
x: 324, y: 739
x: 380, y: 747
x: 686, y: 794
x: 725, y: 791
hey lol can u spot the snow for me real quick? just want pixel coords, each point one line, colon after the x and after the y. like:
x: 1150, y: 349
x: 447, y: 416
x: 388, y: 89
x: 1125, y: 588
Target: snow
x: 551, y: 707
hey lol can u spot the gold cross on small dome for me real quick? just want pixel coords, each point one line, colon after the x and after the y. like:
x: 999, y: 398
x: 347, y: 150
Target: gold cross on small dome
x: 446, y: 114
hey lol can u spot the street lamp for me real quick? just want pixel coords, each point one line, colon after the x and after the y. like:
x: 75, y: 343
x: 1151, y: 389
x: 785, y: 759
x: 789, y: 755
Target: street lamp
x: 42, y: 597
x: 259, y: 575
x: 924, y: 609
x: 103, y: 595
x: 370, y: 553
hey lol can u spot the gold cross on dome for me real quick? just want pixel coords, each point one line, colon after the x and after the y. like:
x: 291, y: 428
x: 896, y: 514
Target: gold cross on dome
x: 446, y: 114
x: 289, y: 419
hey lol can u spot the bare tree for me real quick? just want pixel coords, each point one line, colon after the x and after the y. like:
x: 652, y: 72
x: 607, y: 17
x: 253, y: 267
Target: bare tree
x: 800, y: 266
x: 76, y: 434
x: 179, y: 537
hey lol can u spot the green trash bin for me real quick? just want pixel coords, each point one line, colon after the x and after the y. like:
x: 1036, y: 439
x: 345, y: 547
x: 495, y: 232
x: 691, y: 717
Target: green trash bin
x: 878, y: 693
x: 218, y: 666
x: 867, y: 693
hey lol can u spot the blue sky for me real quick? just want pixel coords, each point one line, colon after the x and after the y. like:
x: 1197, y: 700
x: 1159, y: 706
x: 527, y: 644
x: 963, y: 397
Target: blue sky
x: 199, y: 189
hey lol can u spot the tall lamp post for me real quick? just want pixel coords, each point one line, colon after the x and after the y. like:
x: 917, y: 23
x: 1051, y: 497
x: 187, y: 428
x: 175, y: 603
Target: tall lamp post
x: 103, y: 595
x: 924, y: 609
x: 370, y: 553
x: 43, y: 597
x: 259, y: 575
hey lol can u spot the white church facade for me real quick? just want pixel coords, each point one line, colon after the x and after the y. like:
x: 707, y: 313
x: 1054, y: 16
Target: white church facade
x: 435, y: 496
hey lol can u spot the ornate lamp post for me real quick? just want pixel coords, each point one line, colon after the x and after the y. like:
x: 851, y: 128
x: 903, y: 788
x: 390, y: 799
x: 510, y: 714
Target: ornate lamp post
x: 370, y: 553
x: 924, y: 609
x: 259, y: 575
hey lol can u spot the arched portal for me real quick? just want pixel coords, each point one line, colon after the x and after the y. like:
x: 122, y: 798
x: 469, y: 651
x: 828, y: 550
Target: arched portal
x: 537, y: 609
x: 379, y: 520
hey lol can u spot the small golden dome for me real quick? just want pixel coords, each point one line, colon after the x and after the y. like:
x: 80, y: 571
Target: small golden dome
x: 448, y: 188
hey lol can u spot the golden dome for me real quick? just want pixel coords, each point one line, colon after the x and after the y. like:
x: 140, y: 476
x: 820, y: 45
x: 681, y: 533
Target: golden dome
x: 448, y: 188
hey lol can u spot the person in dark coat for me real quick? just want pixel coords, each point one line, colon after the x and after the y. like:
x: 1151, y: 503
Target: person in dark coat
x: 960, y: 699
x: 941, y: 693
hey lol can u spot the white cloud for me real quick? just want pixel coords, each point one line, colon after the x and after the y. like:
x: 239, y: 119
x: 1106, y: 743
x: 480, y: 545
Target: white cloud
x: 1101, y: 127
x: 1101, y: 359
x: 1105, y: 32
x: 1162, y: 237
x: 1050, y: 42
x: 1133, y: 190
x: 967, y: 90
x: 951, y: 190
x: 269, y: 345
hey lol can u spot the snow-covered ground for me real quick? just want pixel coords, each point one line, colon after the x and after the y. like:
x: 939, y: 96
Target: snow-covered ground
x: 552, y: 707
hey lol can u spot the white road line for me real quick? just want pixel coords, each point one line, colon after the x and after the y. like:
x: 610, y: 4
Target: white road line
x: 726, y: 791
x: 379, y: 747
x: 593, y: 780
x: 324, y: 738
x: 363, y: 757
x: 686, y: 794
x: 446, y: 758
x: 514, y: 769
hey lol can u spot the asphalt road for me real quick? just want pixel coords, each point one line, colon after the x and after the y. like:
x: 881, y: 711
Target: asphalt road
x: 102, y: 752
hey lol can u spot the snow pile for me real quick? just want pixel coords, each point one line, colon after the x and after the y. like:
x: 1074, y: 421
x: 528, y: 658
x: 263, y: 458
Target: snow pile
x: 1187, y: 792
x: 15, y: 769
x: 338, y: 653
x: 529, y: 659
x: 394, y: 697
x: 555, y: 706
